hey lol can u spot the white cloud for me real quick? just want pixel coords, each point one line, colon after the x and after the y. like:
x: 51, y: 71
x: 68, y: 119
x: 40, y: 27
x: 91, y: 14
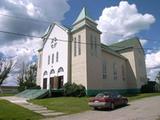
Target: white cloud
x: 123, y: 21
x: 153, y: 64
x: 24, y: 48
x: 21, y: 52
x: 143, y: 41
x: 153, y: 59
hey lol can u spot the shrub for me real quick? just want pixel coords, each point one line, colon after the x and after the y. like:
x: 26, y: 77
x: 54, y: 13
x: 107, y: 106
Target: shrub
x: 74, y: 90
x: 150, y: 87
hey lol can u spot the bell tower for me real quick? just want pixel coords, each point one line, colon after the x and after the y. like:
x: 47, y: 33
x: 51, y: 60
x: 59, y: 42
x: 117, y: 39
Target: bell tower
x: 86, y: 52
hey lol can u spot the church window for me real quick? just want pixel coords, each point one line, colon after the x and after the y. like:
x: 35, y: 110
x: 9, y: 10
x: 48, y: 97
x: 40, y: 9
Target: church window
x: 79, y: 45
x: 75, y: 47
x: 48, y: 59
x: 123, y: 73
x: 91, y: 42
x: 45, y: 73
x: 52, y: 71
x: 114, y: 71
x: 60, y: 70
x: 40, y: 60
x: 57, y: 57
x: 52, y: 58
x: 95, y: 44
x: 104, y: 69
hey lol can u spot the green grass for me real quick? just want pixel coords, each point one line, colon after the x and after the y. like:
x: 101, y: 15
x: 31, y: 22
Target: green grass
x: 70, y: 105
x: 9, y: 111
x: 142, y: 95
x: 6, y: 94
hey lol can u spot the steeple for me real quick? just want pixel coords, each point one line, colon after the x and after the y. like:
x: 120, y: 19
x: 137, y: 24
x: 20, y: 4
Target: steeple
x: 83, y: 14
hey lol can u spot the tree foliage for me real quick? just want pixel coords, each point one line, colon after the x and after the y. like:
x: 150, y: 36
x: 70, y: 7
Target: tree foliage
x: 27, y: 77
x: 5, y: 69
x: 158, y: 77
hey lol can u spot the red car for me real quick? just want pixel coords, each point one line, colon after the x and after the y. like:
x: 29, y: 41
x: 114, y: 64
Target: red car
x: 107, y: 100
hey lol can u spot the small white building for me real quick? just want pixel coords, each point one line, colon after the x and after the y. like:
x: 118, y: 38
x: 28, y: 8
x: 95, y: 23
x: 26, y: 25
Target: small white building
x: 77, y: 55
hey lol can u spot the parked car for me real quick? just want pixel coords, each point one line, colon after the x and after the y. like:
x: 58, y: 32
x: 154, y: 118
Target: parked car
x: 107, y: 100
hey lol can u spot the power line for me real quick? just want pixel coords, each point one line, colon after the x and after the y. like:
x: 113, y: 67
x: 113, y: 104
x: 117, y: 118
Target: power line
x: 25, y: 18
x: 87, y: 43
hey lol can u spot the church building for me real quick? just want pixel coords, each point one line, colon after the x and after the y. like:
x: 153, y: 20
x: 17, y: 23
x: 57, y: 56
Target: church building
x: 76, y: 55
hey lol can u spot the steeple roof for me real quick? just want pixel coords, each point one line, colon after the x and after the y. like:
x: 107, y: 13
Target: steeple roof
x: 83, y: 14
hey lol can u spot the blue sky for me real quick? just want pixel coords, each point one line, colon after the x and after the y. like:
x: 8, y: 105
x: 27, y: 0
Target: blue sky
x: 118, y: 20
x: 95, y: 8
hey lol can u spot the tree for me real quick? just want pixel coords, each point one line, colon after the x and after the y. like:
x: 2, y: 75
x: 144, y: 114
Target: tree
x: 21, y: 75
x: 27, y: 77
x: 158, y: 77
x: 5, y: 68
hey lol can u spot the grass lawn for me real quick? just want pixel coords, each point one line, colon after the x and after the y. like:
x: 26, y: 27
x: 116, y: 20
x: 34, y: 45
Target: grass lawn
x: 70, y: 105
x: 6, y: 94
x: 9, y: 111
x: 142, y: 95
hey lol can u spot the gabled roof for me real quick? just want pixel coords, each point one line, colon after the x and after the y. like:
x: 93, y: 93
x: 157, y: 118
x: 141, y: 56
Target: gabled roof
x: 129, y: 43
x: 49, y: 29
x: 83, y: 14
x: 108, y: 49
x: 48, y: 32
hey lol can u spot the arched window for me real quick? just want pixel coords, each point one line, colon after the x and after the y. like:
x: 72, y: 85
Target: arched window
x: 52, y: 71
x: 60, y: 70
x: 45, y: 73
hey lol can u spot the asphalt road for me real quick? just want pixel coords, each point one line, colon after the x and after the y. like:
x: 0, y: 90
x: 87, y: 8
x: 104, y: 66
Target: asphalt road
x: 144, y: 109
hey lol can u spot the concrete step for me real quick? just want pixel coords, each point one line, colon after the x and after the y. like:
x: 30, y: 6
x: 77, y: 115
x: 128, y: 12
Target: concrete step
x: 52, y: 114
x: 44, y: 111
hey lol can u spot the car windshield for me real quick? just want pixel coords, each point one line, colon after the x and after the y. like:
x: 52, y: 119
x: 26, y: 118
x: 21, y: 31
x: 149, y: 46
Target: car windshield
x: 102, y: 95
x: 99, y: 95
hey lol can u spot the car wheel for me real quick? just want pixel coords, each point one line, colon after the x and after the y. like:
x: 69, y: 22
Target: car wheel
x: 112, y: 106
x: 126, y: 102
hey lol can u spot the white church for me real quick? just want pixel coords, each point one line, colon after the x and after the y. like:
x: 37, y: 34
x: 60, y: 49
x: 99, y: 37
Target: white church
x: 77, y: 55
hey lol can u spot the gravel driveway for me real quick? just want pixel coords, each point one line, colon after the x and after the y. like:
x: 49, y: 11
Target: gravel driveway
x: 144, y: 109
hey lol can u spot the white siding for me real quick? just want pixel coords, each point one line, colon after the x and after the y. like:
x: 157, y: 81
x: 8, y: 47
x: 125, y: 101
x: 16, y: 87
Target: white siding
x: 61, y: 48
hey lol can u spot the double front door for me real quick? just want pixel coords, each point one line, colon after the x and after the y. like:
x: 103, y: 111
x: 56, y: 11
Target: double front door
x: 56, y: 82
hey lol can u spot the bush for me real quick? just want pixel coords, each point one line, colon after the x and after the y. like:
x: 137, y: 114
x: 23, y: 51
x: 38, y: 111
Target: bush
x: 74, y: 90
x: 150, y: 87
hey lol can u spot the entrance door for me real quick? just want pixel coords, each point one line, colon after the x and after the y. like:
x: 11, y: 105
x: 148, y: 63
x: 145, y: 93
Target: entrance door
x: 45, y: 83
x: 52, y: 82
x: 60, y: 82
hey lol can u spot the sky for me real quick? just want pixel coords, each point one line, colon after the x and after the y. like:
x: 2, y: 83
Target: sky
x: 117, y: 19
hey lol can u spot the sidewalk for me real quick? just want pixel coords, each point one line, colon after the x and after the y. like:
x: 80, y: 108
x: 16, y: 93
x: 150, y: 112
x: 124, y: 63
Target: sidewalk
x: 35, y: 108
